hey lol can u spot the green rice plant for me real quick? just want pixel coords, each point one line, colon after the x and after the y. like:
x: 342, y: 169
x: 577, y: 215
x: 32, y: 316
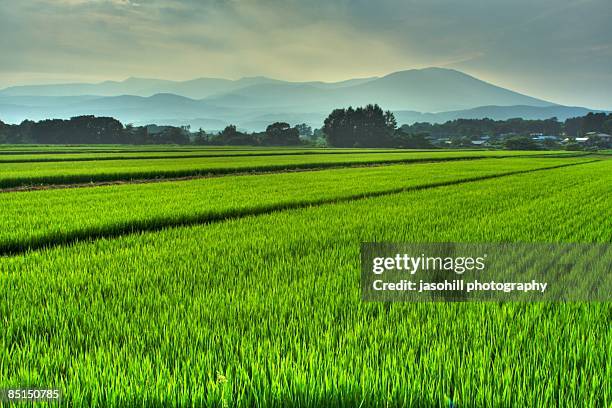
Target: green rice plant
x: 101, y: 148
x: 265, y: 310
x: 20, y: 174
x: 106, y: 148
x: 47, y: 217
x: 178, y: 154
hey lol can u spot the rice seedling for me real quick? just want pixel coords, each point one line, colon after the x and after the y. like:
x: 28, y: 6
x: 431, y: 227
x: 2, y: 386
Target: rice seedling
x: 48, y: 217
x: 265, y: 310
x: 175, y: 154
x: 19, y: 174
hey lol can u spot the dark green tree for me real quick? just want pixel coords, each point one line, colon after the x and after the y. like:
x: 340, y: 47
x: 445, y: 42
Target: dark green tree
x: 172, y: 135
x: 281, y: 134
x: 304, y: 130
x: 231, y: 136
x: 411, y: 140
x: 365, y: 126
x: 520, y: 143
x: 201, y: 138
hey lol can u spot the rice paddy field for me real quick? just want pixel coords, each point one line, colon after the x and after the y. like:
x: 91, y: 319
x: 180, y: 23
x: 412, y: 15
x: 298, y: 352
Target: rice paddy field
x: 240, y: 284
x: 26, y: 173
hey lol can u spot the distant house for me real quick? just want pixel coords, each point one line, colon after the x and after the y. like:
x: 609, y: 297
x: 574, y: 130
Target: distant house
x: 478, y: 142
x: 590, y: 138
x: 575, y: 139
x: 603, y: 136
x: 541, y: 138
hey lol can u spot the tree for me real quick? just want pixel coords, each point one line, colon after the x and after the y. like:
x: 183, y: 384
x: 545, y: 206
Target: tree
x: 472, y: 128
x: 592, y: 122
x: 390, y: 121
x: 5, y: 130
x: 201, y: 138
x: 607, y: 125
x: 136, y: 135
x: 304, y: 130
x: 318, y: 138
x: 172, y: 135
x: 362, y: 127
x: 550, y: 144
x: 461, y: 141
x: 281, y: 134
x: 411, y: 140
x: 231, y: 136
x: 573, y: 127
x: 520, y: 143
x: 337, y: 129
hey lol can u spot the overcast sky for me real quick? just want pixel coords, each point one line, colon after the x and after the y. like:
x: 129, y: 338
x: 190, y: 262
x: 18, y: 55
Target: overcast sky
x: 560, y: 50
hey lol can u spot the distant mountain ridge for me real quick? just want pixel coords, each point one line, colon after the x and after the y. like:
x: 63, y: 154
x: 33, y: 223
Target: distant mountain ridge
x: 198, y: 88
x: 430, y: 94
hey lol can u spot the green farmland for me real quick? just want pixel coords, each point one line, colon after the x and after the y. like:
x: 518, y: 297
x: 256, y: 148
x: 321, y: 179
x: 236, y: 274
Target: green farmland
x: 239, y: 286
x: 16, y: 174
x: 184, y: 153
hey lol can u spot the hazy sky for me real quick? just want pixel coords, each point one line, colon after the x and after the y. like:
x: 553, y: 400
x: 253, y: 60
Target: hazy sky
x: 560, y: 50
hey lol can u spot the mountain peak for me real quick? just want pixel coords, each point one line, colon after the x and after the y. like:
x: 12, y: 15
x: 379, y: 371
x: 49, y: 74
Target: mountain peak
x: 432, y: 89
x: 428, y: 70
x: 257, y: 77
x: 168, y: 95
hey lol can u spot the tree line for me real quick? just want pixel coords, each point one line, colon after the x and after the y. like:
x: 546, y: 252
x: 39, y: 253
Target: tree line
x: 367, y: 126
x: 572, y: 127
x: 90, y: 129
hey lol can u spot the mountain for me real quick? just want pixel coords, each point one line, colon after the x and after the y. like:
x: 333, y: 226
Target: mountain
x: 425, y: 90
x: 431, y: 94
x: 195, y: 88
x: 496, y: 113
x: 437, y: 89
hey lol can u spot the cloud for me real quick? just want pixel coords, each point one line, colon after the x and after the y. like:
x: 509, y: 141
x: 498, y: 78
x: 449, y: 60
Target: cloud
x: 557, y: 49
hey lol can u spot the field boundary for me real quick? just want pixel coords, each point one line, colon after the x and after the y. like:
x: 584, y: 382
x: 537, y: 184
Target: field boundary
x: 18, y: 247
x: 263, y: 154
x: 194, y: 156
x: 204, y: 148
x: 11, y: 185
